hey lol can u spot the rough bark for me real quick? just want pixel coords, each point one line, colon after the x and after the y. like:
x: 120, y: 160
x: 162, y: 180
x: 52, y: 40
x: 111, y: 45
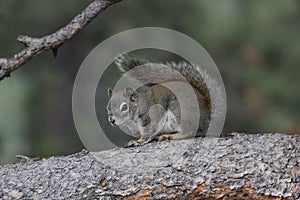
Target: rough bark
x: 239, y: 167
x: 36, y: 46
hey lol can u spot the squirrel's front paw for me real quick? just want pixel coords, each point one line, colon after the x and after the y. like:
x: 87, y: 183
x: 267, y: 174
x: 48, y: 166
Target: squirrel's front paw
x: 132, y: 143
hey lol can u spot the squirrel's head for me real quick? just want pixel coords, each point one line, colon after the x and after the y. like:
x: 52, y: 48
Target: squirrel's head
x: 122, y: 106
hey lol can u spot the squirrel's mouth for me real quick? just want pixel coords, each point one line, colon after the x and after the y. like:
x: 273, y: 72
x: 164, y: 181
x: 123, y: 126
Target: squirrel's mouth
x: 112, y: 124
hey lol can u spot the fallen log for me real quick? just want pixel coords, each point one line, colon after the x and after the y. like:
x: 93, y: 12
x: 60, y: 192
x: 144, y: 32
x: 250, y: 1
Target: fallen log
x: 242, y: 166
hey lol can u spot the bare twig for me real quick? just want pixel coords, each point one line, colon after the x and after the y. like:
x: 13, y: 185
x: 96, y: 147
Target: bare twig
x: 36, y: 46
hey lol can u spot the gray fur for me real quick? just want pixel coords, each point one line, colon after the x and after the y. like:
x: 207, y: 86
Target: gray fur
x: 151, y: 120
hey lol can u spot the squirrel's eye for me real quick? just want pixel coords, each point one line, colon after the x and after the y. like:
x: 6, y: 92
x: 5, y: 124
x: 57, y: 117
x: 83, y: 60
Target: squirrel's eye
x: 123, y: 107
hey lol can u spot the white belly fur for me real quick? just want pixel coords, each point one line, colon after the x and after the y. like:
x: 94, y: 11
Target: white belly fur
x: 169, y: 124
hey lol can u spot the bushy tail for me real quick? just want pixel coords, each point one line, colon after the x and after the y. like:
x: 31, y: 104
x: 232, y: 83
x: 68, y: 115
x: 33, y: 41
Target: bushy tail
x: 126, y: 63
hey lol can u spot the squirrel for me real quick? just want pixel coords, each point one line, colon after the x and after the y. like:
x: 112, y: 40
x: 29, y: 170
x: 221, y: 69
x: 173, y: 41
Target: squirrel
x: 153, y: 111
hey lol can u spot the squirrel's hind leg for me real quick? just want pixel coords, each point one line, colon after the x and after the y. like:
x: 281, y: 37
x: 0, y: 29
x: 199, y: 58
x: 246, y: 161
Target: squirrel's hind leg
x: 174, y: 136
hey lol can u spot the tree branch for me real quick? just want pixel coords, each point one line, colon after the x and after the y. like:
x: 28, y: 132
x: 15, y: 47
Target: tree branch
x: 36, y: 46
x: 239, y: 167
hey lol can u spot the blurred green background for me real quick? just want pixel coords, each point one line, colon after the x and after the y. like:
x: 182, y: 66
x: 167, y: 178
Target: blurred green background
x: 255, y: 44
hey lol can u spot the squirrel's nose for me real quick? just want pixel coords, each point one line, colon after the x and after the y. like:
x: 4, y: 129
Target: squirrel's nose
x: 112, y: 120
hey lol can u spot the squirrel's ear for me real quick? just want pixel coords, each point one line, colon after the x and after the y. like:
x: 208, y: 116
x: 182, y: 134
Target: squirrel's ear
x: 129, y: 92
x: 109, y: 92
